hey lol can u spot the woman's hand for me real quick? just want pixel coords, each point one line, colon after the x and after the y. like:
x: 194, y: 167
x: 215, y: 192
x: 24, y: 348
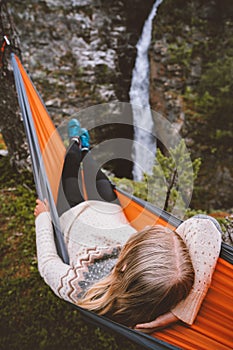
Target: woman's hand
x: 41, y: 207
x: 160, y: 322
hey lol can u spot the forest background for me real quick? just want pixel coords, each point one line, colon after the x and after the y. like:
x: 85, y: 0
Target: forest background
x: 81, y: 53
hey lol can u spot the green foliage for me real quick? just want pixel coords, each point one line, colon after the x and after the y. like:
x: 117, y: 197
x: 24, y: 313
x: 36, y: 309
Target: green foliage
x: 226, y: 223
x: 215, y: 92
x: 218, y: 77
x: 180, y: 53
x: 212, y: 108
x: 171, y: 183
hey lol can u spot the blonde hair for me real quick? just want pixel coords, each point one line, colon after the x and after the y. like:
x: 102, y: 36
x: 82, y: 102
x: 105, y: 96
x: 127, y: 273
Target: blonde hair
x: 153, y: 273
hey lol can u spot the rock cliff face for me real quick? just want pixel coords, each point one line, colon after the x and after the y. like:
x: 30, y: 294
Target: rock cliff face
x: 79, y: 52
x: 189, y: 37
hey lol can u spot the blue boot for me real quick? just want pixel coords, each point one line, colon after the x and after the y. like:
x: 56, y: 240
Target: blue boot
x: 74, y: 129
x: 85, y: 140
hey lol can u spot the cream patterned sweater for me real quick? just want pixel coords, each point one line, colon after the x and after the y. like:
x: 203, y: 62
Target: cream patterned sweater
x: 95, y: 232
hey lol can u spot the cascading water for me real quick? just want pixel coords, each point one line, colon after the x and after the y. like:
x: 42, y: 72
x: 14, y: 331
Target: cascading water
x: 144, y: 148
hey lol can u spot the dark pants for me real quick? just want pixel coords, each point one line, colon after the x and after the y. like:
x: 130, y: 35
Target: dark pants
x: 81, y: 180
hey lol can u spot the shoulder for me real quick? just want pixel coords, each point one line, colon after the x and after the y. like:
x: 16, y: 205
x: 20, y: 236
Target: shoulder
x: 202, y: 239
x: 199, y: 227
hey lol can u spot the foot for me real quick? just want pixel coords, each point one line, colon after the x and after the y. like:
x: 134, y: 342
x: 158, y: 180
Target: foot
x: 74, y: 129
x: 85, y: 140
x: 78, y: 134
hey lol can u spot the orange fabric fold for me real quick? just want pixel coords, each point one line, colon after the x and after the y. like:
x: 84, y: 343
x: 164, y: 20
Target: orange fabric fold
x: 50, y: 142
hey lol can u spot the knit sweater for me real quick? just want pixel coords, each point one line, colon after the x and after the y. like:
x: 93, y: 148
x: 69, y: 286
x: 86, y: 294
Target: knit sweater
x: 203, y: 241
x: 94, y: 234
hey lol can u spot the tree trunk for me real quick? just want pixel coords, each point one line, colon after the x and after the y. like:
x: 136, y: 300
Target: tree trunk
x: 11, y: 126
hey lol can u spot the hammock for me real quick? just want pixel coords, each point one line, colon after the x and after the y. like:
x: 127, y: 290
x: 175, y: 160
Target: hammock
x: 214, y: 324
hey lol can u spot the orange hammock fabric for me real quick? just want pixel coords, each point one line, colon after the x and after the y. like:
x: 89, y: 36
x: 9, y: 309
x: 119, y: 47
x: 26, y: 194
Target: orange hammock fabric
x: 51, y: 145
x: 214, y: 323
x: 213, y: 326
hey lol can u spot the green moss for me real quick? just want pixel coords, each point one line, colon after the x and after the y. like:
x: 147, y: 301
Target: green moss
x: 180, y: 53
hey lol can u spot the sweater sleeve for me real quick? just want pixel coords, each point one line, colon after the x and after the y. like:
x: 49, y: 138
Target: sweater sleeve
x: 55, y: 273
x: 203, y: 240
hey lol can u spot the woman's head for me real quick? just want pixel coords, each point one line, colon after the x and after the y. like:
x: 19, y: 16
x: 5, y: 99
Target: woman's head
x: 153, y: 273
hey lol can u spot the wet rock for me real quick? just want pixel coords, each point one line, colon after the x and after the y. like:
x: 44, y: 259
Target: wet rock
x: 85, y: 39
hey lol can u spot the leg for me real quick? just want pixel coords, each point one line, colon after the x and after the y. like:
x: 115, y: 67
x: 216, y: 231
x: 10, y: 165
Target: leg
x: 70, y: 189
x: 97, y: 184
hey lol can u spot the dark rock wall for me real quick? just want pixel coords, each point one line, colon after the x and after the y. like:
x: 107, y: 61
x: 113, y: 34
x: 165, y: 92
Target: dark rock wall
x: 79, y: 52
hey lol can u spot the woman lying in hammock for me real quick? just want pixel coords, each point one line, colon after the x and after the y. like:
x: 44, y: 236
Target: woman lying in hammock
x: 145, y: 280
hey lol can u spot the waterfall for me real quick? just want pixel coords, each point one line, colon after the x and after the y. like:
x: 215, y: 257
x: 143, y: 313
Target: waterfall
x: 144, y: 148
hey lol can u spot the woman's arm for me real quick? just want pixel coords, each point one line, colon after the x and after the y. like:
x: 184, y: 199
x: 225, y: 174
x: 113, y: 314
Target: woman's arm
x: 159, y: 323
x: 55, y: 273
